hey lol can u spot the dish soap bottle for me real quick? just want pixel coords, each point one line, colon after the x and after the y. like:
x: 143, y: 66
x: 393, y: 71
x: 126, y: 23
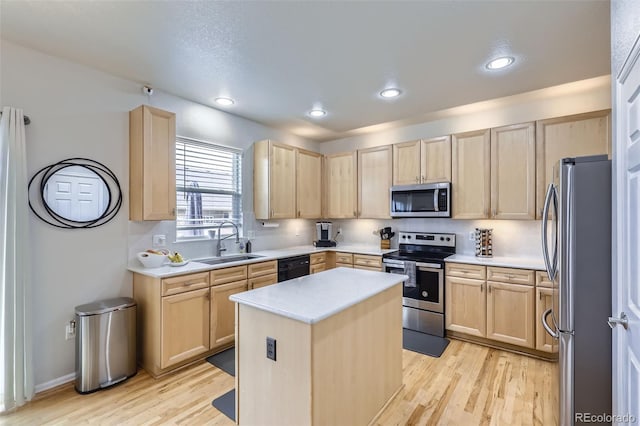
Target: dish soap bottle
x: 247, y: 246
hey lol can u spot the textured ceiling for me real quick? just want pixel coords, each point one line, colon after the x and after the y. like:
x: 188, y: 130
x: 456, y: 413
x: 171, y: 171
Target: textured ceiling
x: 280, y: 59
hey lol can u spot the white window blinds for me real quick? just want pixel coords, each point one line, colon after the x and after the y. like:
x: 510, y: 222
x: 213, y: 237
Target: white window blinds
x: 209, y: 188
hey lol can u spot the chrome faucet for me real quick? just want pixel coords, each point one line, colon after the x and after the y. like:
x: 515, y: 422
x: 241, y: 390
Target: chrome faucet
x: 219, y: 248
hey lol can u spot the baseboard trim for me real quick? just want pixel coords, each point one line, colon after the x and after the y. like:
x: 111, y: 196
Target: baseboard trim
x: 55, y: 382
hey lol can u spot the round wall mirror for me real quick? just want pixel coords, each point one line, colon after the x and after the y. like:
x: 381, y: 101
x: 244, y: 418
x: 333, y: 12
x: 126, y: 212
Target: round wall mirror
x: 75, y: 193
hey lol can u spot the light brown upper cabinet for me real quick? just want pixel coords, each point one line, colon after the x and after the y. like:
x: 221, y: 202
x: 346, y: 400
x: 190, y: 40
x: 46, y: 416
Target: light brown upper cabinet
x: 422, y: 161
x: 274, y: 180
x: 570, y: 136
x: 341, y: 185
x: 406, y: 163
x: 374, y: 182
x: 470, y: 174
x: 308, y: 184
x: 513, y: 172
x: 152, y: 164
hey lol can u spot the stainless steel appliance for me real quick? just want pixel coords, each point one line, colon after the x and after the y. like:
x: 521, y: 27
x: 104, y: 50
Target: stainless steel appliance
x: 424, y: 200
x: 293, y: 267
x: 576, y: 243
x: 105, y: 343
x: 421, y: 257
x: 323, y: 231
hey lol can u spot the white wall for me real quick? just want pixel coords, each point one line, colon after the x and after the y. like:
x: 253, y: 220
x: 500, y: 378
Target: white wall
x: 80, y: 112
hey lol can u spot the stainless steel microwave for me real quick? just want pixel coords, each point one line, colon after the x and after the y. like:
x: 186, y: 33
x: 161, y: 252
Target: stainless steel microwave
x: 422, y: 200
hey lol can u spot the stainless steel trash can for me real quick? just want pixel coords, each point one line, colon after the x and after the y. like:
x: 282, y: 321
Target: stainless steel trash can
x: 105, y: 343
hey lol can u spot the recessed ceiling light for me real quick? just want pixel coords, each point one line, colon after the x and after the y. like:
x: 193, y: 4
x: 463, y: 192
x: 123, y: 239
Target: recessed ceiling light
x: 224, y: 101
x: 390, y: 93
x: 500, y: 63
x: 317, y: 113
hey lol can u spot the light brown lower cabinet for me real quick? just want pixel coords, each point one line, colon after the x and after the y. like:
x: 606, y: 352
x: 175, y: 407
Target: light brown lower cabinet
x: 317, y: 262
x: 185, y: 326
x: 318, y: 267
x: 223, y: 313
x: 510, y: 313
x: 465, y: 306
x: 367, y: 262
x: 544, y: 300
x: 503, y: 307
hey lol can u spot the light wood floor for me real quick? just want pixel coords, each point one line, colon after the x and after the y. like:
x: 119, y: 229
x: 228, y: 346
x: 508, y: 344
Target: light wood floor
x: 468, y: 385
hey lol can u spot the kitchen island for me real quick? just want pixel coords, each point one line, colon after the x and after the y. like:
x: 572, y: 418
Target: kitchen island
x: 338, y: 349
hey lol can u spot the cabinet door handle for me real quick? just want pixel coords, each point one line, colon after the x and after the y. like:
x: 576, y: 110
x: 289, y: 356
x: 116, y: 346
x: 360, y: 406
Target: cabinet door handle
x: 481, y: 287
x: 299, y: 213
x: 488, y: 288
x: 354, y: 213
x: 540, y: 295
x: 417, y: 179
x: 422, y: 179
x: 271, y: 212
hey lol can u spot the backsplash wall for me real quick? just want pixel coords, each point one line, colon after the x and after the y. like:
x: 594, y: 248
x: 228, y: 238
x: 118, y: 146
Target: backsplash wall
x: 520, y: 238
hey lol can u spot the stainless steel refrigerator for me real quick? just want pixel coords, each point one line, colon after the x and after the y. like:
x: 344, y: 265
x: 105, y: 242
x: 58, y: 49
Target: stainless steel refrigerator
x: 576, y: 245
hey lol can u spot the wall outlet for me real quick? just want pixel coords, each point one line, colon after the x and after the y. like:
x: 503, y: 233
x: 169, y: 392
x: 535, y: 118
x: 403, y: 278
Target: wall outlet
x: 70, y: 330
x: 472, y: 235
x: 339, y: 230
x: 159, y: 240
x: 271, y: 348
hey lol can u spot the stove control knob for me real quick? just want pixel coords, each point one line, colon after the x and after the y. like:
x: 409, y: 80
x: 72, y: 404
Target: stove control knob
x: 425, y: 294
x: 409, y: 236
x: 404, y: 236
x: 448, y: 238
x: 441, y: 238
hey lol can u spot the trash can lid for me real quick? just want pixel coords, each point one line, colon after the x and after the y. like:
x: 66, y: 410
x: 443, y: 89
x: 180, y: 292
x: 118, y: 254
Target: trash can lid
x: 106, y: 305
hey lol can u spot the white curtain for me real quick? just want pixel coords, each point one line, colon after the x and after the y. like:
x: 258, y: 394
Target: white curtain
x: 16, y: 362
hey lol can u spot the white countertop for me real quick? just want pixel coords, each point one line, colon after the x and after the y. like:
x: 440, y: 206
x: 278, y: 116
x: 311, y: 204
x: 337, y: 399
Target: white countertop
x: 312, y: 298
x: 195, y: 266
x: 506, y: 262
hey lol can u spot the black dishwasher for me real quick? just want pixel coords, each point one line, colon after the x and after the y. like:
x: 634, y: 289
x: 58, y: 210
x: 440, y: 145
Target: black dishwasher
x: 293, y: 267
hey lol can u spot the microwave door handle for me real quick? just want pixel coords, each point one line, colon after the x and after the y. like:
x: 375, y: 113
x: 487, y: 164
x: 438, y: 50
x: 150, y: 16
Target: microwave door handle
x: 435, y: 200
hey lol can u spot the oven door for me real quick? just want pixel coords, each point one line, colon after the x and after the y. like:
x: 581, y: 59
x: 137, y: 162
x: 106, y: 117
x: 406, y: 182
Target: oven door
x: 428, y: 292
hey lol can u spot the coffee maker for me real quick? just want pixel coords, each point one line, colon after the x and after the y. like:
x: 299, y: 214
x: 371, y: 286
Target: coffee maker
x: 323, y: 230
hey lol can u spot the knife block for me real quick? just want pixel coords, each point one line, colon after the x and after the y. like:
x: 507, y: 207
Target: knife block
x: 385, y: 244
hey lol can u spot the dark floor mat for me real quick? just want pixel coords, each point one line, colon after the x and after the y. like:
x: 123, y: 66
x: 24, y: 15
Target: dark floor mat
x: 425, y: 344
x: 225, y: 361
x: 226, y: 404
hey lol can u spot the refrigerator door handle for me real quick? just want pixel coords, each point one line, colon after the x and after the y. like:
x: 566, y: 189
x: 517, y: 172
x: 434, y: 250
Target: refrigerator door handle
x: 545, y: 243
x: 545, y: 324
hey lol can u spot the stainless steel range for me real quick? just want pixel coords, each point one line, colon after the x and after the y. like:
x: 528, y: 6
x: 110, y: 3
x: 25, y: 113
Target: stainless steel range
x: 421, y: 257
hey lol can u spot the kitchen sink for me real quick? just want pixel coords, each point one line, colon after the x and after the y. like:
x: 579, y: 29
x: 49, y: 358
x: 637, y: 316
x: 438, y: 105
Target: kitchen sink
x: 227, y: 259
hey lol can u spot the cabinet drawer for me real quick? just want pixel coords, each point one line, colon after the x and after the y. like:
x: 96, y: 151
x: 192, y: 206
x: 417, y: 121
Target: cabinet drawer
x: 466, y: 270
x: 227, y: 275
x: 368, y: 268
x: 510, y: 275
x: 175, y: 285
x: 344, y: 258
x: 542, y: 279
x: 318, y: 267
x: 344, y: 265
x: 316, y: 258
x: 263, y: 281
x: 367, y: 261
x: 263, y: 268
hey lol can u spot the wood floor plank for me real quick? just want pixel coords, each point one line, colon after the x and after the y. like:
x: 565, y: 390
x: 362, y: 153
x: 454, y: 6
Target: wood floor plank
x: 468, y: 385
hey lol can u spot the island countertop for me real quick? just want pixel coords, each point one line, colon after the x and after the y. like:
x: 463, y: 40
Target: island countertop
x: 312, y: 298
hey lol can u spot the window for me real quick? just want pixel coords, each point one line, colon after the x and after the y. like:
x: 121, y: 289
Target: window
x: 209, y: 188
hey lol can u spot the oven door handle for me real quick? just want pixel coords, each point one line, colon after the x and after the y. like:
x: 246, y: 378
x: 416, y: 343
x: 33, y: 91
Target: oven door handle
x: 432, y: 266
